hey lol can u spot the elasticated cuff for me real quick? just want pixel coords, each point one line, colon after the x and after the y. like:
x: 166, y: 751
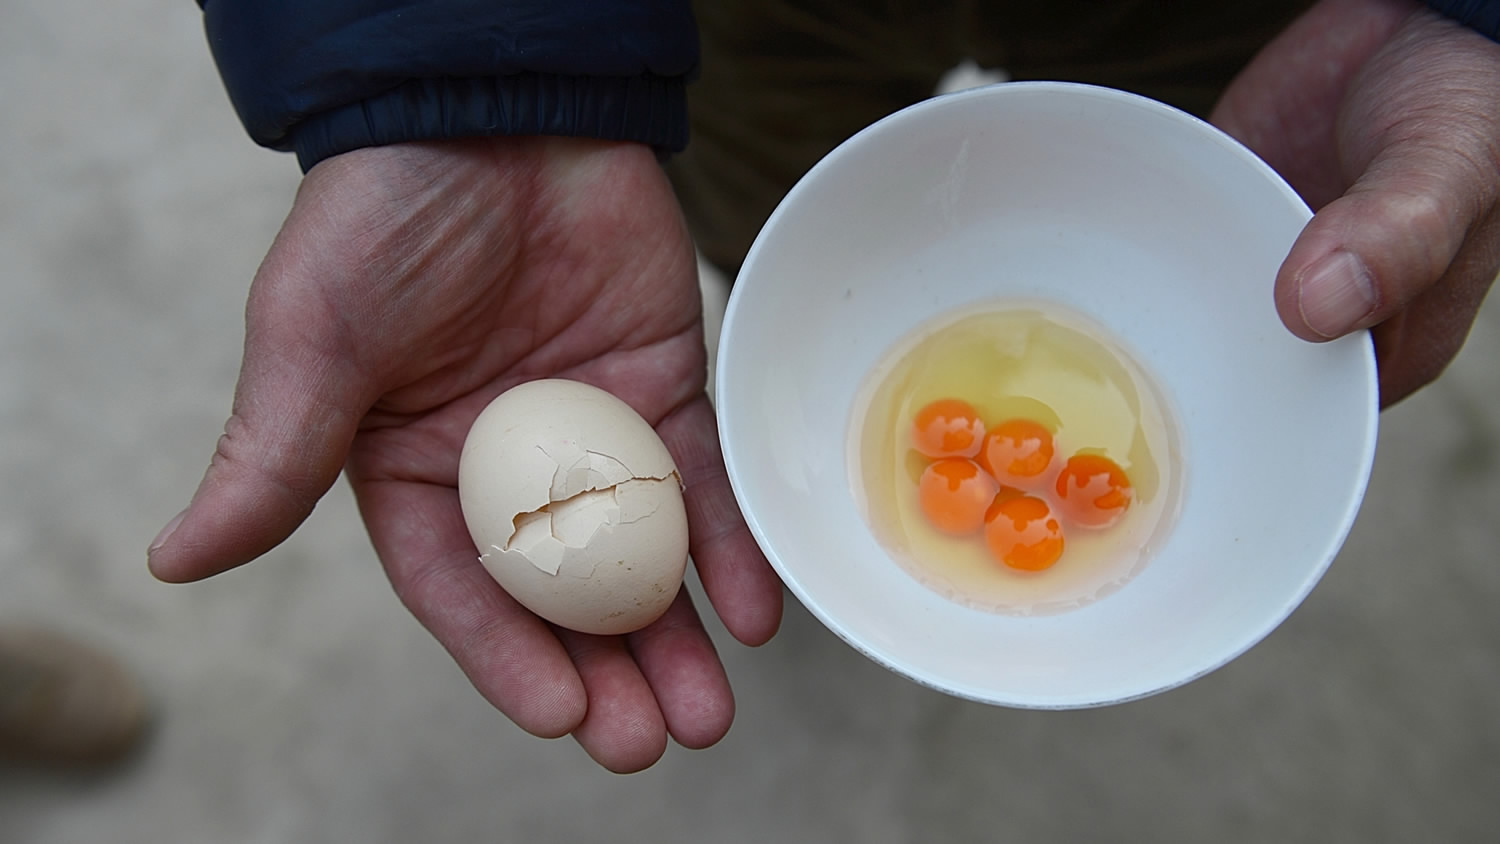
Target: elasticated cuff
x: 646, y: 109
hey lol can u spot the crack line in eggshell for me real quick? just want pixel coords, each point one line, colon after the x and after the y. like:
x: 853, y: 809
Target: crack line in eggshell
x: 585, y: 498
x: 580, y: 470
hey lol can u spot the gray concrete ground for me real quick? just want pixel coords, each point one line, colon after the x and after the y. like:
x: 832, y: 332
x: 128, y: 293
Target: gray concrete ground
x: 299, y: 702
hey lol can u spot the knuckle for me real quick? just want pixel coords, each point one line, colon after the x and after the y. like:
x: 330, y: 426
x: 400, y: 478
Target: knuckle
x: 238, y: 452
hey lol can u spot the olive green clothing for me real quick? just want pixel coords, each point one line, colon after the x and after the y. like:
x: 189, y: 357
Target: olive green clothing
x: 785, y: 81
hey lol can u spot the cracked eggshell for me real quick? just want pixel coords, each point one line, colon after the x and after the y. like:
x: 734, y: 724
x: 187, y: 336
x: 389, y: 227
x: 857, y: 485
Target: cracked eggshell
x: 575, y: 506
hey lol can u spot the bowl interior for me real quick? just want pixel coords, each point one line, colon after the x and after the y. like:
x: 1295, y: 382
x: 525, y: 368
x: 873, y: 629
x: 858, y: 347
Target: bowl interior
x: 1131, y: 213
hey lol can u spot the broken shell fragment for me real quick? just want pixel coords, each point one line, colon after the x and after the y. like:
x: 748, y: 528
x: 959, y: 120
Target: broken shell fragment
x: 575, y: 506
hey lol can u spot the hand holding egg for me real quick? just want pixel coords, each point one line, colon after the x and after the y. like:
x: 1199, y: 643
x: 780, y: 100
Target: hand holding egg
x: 378, y: 331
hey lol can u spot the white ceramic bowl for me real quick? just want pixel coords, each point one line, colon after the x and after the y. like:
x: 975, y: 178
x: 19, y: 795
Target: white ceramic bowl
x: 1134, y: 214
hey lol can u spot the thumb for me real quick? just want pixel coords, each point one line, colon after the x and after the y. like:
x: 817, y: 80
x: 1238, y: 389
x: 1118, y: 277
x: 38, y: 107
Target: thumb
x: 1417, y: 137
x: 296, y: 409
x: 1365, y: 256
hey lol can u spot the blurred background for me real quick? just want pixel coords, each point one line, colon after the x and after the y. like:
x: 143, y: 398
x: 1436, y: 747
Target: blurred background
x: 297, y: 701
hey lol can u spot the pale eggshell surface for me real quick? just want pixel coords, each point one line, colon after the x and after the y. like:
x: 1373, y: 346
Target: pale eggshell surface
x: 575, y: 506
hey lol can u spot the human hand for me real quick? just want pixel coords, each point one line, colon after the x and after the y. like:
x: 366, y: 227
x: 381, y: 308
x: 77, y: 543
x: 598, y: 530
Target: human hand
x: 1385, y: 116
x: 408, y: 287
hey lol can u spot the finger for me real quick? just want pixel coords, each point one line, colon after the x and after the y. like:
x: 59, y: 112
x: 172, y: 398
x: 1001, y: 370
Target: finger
x: 1421, y: 134
x: 740, y: 584
x: 680, y: 664
x: 1417, y: 344
x: 511, y: 656
x: 296, y: 408
x: 1367, y: 255
x: 623, y: 729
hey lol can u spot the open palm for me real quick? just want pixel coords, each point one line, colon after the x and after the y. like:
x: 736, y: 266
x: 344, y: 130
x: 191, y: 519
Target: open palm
x: 409, y: 286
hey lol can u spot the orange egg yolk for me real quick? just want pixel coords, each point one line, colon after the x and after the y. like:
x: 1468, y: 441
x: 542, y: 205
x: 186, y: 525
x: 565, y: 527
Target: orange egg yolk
x: 1018, y: 452
x: 954, y: 494
x: 1093, y: 491
x: 1022, y: 532
x: 948, y: 428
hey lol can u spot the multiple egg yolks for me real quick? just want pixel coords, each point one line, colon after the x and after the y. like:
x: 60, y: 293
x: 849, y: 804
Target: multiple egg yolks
x: 1005, y: 481
x: 975, y: 452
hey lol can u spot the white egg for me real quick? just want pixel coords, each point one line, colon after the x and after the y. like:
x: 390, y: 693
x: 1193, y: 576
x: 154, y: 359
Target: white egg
x: 575, y: 506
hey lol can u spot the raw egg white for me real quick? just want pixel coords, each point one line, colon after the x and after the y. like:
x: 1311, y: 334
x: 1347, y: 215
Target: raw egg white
x: 575, y: 506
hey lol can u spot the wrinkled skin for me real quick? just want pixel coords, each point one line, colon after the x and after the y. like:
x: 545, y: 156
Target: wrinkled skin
x: 412, y: 284
x: 1386, y: 118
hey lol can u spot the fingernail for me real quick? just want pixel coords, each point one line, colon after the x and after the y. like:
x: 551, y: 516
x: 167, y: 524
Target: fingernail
x: 166, y: 533
x: 1336, y: 293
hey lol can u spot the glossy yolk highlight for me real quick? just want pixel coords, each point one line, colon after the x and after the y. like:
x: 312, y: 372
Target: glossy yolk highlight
x: 1093, y: 491
x: 1022, y: 532
x: 954, y: 494
x: 1018, y: 452
x: 947, y: 428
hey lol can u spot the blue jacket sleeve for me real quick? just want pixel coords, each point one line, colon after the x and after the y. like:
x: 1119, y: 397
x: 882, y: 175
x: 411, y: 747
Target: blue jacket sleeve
x: 1481, y: 15
x: 322, y: 77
